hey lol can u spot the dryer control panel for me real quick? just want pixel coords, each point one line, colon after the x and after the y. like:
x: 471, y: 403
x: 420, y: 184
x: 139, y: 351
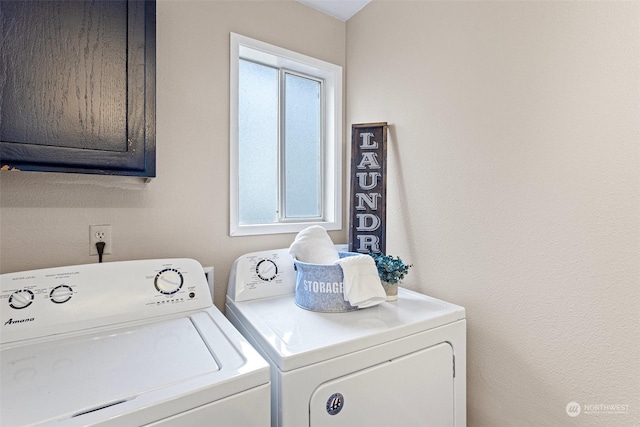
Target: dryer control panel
x: 63, y: 299
x: 263, y: 274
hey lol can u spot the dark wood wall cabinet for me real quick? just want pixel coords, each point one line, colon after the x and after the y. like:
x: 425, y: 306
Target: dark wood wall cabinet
x: 77, y: 86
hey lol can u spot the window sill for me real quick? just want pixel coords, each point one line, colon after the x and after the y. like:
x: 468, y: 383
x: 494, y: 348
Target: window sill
x: 281, y: 228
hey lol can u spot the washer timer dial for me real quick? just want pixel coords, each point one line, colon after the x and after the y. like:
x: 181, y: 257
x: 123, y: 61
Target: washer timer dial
x: 169, y: 281
x: 267, y: 270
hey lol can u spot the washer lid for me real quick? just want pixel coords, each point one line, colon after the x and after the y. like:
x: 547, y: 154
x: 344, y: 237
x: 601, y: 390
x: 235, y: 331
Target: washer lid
x: 294, y: 337
x: 68, y: 378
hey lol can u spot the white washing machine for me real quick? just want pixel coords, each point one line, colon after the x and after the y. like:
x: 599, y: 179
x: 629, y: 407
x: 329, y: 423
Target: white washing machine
x: 124, y: 344
x: 400, y: 363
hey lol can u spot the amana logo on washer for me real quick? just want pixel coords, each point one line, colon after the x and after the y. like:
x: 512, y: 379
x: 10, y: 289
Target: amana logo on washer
x: 13, y: 322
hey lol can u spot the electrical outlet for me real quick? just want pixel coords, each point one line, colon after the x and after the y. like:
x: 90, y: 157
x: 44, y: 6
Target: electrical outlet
x: 99, y: 233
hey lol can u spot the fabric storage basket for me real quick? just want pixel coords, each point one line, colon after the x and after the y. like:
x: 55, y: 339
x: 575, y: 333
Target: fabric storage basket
x: 320, y: 287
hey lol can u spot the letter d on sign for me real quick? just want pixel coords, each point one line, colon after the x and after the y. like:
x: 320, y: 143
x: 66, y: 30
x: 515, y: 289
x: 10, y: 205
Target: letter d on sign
x: 362, y: 222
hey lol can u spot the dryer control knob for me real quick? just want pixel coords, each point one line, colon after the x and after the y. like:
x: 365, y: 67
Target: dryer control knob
x: 169, y: 281
x: 61, y: 294
x: 267, y: 270
x: 21, y: 299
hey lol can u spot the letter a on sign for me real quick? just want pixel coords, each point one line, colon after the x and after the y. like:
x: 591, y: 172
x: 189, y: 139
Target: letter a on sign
x: 368, y: 217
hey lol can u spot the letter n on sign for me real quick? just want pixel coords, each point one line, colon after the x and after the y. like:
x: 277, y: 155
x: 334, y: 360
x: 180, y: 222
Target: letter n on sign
x: 368, y: 216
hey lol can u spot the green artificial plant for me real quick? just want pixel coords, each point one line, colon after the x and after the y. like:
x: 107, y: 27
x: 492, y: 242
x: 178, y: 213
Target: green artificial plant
x: 390, y: 269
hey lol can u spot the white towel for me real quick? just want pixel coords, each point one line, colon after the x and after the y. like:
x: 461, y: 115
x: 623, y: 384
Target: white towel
x: 313, y: 245
x: 362, y: 287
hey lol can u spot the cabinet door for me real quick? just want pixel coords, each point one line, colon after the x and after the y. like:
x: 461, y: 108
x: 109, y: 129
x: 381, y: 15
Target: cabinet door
x: 78, y: 86
x: 413, y: 390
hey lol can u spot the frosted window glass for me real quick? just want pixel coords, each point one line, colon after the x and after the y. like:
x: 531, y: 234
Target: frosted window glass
x: 285, y: 140
x: 302, y: 147
x: 258, y: 143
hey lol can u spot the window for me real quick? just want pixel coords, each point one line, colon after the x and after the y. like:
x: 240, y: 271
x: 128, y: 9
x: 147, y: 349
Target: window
x: 286, y: 133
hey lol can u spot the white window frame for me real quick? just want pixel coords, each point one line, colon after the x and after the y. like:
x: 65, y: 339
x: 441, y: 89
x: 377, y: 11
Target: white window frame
x: 331, y: 75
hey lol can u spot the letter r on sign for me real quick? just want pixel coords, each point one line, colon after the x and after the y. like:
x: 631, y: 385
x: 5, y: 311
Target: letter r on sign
x: 367, y: 241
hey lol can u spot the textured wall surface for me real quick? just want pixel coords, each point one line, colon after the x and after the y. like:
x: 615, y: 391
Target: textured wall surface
x: 514, y: 188
x: 184, y: 212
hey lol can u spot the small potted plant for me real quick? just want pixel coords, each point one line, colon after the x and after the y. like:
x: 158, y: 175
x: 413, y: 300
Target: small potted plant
x: 391, y: 271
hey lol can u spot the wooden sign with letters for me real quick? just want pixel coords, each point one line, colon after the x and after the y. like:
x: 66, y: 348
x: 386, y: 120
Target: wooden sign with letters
x: 368, y: 188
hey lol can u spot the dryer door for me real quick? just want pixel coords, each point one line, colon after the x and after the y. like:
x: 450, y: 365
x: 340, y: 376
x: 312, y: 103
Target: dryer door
x: 412, y: 390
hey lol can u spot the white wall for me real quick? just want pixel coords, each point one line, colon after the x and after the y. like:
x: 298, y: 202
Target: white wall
x: 184, y: 212
x: 514, y: 187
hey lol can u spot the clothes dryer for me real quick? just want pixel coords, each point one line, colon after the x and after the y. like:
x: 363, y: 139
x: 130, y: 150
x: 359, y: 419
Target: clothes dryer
x: 400, y: 363
x: 136, y: 343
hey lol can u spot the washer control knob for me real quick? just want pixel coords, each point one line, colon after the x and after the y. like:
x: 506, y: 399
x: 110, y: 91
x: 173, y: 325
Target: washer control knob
x: 169, y: 281
x: 61, y: 294
x: 21, y: 299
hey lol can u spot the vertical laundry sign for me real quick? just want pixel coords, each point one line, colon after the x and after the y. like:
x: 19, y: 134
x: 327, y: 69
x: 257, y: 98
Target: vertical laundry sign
x: 368, y: 187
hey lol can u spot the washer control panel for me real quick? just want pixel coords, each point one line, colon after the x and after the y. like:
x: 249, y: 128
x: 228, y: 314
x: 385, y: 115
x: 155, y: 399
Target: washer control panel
x: 62, y: 299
